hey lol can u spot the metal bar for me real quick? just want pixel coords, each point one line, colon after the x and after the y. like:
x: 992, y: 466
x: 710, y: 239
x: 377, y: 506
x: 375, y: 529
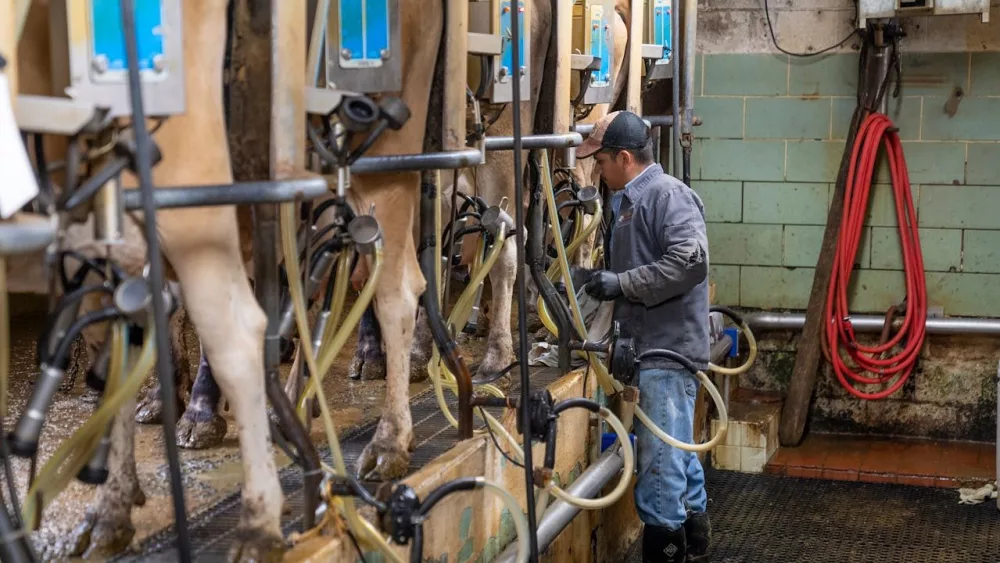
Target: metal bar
x: 586, y: 129
x: 675, y: 90
x: 690, y: 44
x: 450, y: 160
x: 874, y: 323
x: 240, y: 193
x: 164, y: 359
x: 529, y: 142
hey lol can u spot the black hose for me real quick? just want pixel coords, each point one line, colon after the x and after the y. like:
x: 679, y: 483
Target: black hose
x: 576, y: 403
x: 438, y: 494
x: 670, y: 355
x: 60, y: 358
x: 89, y: 188
x: 14, y: 547
x: 726, y: 311
x: 72, y: 299
x: 522, y: 289
x: 164, y: 368
x: 417, y: 547
x: 536, y: 264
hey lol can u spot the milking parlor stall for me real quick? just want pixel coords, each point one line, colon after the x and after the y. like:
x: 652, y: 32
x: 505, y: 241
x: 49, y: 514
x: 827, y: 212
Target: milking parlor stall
x: 303, y: 281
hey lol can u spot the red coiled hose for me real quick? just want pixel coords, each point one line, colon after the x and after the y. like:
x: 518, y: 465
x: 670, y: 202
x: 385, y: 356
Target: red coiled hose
x: 876, y: 129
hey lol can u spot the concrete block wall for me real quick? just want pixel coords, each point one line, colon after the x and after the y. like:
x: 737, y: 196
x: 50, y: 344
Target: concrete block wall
x: 766, y: 159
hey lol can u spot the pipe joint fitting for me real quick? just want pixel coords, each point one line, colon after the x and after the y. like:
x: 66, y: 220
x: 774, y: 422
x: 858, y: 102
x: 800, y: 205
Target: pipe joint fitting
x: 366, y: 233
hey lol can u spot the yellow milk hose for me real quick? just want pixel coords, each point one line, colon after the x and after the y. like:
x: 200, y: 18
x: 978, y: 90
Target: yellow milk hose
x: 751, y: 343
x: 362, y: 529
x: 81, y: 444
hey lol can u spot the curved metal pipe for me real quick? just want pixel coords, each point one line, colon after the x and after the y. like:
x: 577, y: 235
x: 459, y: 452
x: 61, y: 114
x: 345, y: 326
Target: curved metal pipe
x: 874, y: 323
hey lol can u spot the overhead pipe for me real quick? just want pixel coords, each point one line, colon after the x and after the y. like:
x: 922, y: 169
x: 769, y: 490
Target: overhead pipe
x: 874, y: 323
x: 448, y: 160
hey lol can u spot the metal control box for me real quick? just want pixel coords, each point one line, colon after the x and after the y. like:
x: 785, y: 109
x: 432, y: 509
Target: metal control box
x: 659, y: 32
x: 593, y: 35
x: 363, y: 46
x: 88, y: 54
x: 494, y: 17
x: 872, y: 9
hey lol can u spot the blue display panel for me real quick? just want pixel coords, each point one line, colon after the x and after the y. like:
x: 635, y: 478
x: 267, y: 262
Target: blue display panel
x: 599, y: 37
x: 108, y: 42
x: 364, y: 32
x: 507, y: 54
x: 661, y: 25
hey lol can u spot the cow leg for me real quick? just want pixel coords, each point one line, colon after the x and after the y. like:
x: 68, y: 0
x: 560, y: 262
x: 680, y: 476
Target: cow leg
x: 422, y: 349
x: 231, y: 325
x: 149, y: 409
x: 201, y: 426
x: 368, y: 363
x: 107, y: 525
x: 387, y: 456
x: 500, y: 346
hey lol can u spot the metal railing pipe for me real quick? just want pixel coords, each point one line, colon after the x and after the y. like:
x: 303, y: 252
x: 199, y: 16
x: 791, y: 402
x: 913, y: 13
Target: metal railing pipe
x: 874, y: 323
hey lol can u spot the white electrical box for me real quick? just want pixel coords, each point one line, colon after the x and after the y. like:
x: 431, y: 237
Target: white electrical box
x: 872, y: 9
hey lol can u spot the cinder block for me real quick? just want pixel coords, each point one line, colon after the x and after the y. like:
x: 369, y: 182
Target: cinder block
x: 981, y: 252
x: 727, y: 282
x: 741, y: 243
x: 775, y: 287
x: 723, y: 200
x: 934, y: 74
x: 958, y: 207
x: 750, y: 74
x: 722, y: 117
x: 831, y: 75
x: 789, y: 203
x: 983, y: 166
x: 752, y: 460
x: 964, y: 294
x: 803, y: 242
x: 904, y: 113
x: 788, y: 118
x: 726, y: 159
x: 941, y: 248
x: 977, y: 119
x: 813, y: 161
x: 873, y: 291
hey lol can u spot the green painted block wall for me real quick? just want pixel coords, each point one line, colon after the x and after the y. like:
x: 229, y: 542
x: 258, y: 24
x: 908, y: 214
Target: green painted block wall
x: 766, y: 159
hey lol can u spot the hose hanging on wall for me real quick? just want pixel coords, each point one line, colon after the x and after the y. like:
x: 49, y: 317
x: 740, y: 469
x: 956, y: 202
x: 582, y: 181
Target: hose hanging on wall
x: 875, y: 130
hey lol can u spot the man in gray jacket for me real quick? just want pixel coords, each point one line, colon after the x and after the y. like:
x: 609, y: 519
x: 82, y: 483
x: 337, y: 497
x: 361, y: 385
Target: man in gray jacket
x: 658, y: 279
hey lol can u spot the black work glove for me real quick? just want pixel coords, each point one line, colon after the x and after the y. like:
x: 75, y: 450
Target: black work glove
x: 604, y: 285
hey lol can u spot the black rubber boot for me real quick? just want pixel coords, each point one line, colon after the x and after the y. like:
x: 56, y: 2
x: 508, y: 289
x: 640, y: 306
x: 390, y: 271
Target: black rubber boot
x: 699, y: 536
x: 662, y: 545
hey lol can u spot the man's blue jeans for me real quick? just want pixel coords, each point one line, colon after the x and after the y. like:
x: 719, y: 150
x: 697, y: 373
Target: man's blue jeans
x: 671, y: 482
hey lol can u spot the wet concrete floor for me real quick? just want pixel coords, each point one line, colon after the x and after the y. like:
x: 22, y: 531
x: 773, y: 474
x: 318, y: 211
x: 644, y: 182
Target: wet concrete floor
x: 208, y: 475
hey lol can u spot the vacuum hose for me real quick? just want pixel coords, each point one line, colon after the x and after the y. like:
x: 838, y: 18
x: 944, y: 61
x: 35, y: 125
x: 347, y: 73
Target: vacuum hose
x: 876, y: 129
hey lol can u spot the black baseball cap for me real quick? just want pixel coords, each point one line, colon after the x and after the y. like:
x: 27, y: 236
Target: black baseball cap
x: 616, y: 130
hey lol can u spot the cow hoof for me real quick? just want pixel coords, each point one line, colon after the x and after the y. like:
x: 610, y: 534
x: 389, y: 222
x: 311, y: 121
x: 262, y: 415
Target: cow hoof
x: 199, y: 429
x: 149, y: 411
x: 496, y: 361
x: 101, y: 536
x: 367, y: 369
x: 382, y: 462
x: 418, y: 366
x: 257, y: 547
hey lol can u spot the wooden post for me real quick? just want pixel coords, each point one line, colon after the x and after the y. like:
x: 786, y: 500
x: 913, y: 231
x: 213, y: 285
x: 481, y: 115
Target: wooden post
x: 8, y: 43
x: 562, y: 72
x: 267, y: 140
x: 456, y: 44
x: 633, y: 90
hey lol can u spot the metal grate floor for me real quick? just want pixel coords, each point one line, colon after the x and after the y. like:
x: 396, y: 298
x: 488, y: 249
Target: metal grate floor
x: 764, y: 519
x: 212, y: 530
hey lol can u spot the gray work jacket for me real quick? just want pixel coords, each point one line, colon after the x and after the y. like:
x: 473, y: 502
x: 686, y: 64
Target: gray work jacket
x: 659, y: 249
